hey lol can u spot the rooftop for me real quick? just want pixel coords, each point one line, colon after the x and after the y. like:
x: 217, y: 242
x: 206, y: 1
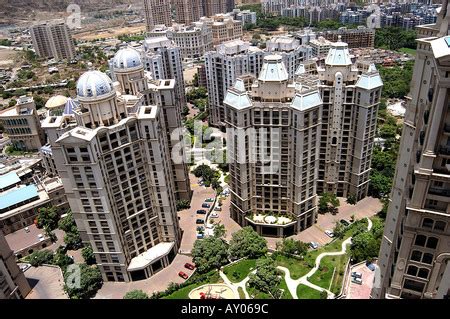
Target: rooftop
x: 18, y: 195
x: 273, y: 69
x: 9, y: 179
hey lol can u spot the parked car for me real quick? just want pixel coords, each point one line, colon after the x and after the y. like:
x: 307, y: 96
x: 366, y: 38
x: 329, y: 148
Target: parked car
x: 218, y: 209
x: 24, y: 267
x: 183, y: 275
x: 200, y: 236
x: 200, y: 228
x: 209, y: 200
x: 313, y: 245
x: 357, y: 280
x: 356, y: 274
x: 199, y: 221
x: 371, y: 266
x: 344, y: 222
x: 214, y: 215
x: 329, y: 233
x: 206, y: 205
x: 189, y: 266
x: 201, y: 211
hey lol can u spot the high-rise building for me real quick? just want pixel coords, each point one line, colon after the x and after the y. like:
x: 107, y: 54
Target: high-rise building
x: 361, y: 37
x: 187, y: 11
x: 415, y: 250
x: 235, y: 58
x: 53, y: 40
x: 194, y: 40
x: 21, y: 124
x: 213, y: 7
x: 13, y: 284
x: 223, y: 27
x: 273, y: 145
x: 308, y: 136
x: 157, y: 12
x: 162, y: 58
x: 113, y: 156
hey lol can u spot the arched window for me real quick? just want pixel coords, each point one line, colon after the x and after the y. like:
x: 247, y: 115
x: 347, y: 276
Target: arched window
x: 420, y: 240
x: 423, y: 273
x: 427, y: 258
x: 412, y: 270
x: 427, y: 223
x: 432, y: 242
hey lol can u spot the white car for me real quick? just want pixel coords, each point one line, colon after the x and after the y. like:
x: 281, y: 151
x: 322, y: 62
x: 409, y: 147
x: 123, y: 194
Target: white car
x: 329, y: 233
x: 214, y: 215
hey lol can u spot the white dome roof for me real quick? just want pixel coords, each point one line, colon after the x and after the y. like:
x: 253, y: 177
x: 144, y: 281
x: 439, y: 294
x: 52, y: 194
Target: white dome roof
x: 127, y: 58
x: 94, y: 84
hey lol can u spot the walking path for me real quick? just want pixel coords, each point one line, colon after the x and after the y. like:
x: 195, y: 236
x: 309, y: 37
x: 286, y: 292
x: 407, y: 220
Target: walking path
x: 291, y: 283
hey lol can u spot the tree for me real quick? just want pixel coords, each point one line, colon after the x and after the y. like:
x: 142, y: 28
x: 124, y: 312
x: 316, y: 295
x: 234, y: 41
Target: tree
x: 48, y: 218
x: 12, y: 102
x: 328, y: 202
x: 41, y: 257
x: 266, y: 278
x: 289, y: 246
x: 136, y: 294
x: 72, y: 238
x: 183, y: 204
x: 339, y: 230
x: 209, y: 253
x: 247, y: 243
x: 219, y: 231
x: 61, y: 259
x: 351, y: 199
x: 67, y: 223
x: 366, y: 244
x: 90, y: 282
x: 88, y: 255
x: 323, y: 294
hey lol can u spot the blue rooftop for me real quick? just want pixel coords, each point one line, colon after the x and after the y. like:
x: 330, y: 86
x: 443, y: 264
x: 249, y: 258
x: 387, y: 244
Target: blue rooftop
x: 17, y: 196
x: 447, y: 40
x: 8, y: 180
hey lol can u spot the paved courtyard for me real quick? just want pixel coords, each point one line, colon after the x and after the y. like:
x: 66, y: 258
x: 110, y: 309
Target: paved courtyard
x: 158, y: 282
x: 367, y: 207
x: 356, y: 291
x: 46, y: 283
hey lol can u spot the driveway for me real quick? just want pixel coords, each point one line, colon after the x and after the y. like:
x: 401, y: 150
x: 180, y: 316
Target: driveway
x: 224, y: 218
x: 158, y: 282
x: 356, y: 291
x: 367, y: 207
x: 189, y: 216
x: 46, y: 283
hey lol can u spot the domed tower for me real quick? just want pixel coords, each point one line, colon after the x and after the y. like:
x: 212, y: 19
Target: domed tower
x: 98, y: 102
x: 129, y: 71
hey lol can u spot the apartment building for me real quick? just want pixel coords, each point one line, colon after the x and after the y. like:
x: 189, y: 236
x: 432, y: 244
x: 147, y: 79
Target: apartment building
x: 194, y: 40
x: 157, y: 12
x: 134, y: 80
x: 246, y: 16
x: 213, y: 7
x: 320, y: 47
x: 311, y: 135
x: 415, y: 250
x: 236, y: 58
x: 273, y: 143
x: 117, y: 175
x: 223, y: 27
x: 162, y: 58
x: 361, y: 37
x: 187, y: 11
x: 21, y: 124
x: 53, y: 40
x: 13, y: 284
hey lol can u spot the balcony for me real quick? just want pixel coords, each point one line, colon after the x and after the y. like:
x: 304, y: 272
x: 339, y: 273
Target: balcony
x: 439, y: 191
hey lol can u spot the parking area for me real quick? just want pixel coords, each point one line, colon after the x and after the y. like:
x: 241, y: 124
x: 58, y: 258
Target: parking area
x: 46, y: 282
x: 158, y: 282
x: 360, y: 291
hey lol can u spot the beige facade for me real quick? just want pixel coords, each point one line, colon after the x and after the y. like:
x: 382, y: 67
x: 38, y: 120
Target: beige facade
x: 415, y: 249
x: 213, y: 7
x: 318, y: 131
x: 320, y: 47
x: 360, y: 37
x: 194, y: 40
x: 187, y: 11
x: 157, y: 12
x: 116, y: 170
x: 22, y: 125
x: 13, y: 284
x: 53, y: 40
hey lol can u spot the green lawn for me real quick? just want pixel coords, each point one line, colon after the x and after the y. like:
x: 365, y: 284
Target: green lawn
x: 324, y: 276
x: 238, y: 271
x: 305, y: 292
x: 408, y: 51
x: 183, y: 293
x: 241, y: 293
x: 286, y: 293
x: 256, y: 294
x: 297, y: 267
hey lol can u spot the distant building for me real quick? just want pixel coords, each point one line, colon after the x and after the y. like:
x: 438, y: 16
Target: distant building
x: 21, y: 124
x: 157, y: 12
x: 223, y: 27
x: 320, y: 46
x: 187, y: 11
x: 53, y: 40
x: 361, y: 37
x: 13, y: 284
x: 246, y: 16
